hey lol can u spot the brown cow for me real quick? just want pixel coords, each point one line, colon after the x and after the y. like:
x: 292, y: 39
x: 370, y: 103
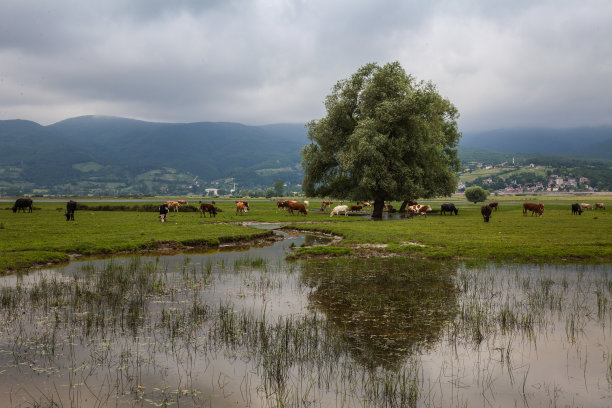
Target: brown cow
x: 586, y: 206
x: 246, y: 204
x: 282, y: 205
x: 241, y: 208
x: 182, y: 202
x: 356, y: 207
x: 534, y: 208
x: 600, y: 205
x: 494, y: 205
x: 174, y: 205
x: 485, y: 210
x: 208, y: 208
x: 299, y: 207
x: 325, y: 204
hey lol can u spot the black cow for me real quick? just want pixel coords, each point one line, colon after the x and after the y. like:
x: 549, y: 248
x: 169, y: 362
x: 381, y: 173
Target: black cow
x: 163, y: 212
x: 485, y: 210
x: 22, y: 204
x: 71, y: 207
x: 576, y: 209
x: 449, y: 207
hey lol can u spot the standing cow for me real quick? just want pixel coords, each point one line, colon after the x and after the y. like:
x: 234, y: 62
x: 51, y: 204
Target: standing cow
x: 325, y: 204
x: 71, y: 207
x: 576, y: 209
x: 208, y: 208
x: 449, y: 207
x: 299, y: 207
x: 338, y: 209
x: 245, y: 203
x: 22, y: 204
x: 494, y: 205
x: 418, y: 209
x: 485, y: 210
x: 600, y: 206
x: 534, y: 208
x: 241, y: 208
x: 163, y: 212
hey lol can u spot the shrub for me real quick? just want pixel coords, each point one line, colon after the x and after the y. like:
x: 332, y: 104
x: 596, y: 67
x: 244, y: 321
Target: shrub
x: 475, y: 194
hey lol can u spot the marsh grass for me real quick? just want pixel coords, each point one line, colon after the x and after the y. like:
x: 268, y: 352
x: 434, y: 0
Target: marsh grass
x: 379, y: 332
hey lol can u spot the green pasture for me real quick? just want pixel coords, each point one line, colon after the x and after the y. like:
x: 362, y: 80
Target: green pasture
x: 556, y: 237
x: 44, y: 236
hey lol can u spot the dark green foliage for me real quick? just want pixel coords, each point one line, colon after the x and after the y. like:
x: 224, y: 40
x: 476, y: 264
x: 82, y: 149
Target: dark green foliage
x: 385, y: 137
x: 116, y: 150
x: 475, y: 194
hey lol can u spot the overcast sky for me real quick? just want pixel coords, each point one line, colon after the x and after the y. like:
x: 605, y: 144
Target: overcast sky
x: 502, y: 63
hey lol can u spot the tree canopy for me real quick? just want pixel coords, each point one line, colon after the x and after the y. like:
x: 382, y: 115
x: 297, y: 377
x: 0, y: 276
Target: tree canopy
x: 385, y: 137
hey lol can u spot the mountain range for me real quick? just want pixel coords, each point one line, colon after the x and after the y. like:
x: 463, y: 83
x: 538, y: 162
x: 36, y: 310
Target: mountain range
x: 118, y: 155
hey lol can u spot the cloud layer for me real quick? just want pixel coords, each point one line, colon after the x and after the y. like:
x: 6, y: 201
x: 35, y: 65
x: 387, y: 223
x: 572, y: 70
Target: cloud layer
x: 503, y: 64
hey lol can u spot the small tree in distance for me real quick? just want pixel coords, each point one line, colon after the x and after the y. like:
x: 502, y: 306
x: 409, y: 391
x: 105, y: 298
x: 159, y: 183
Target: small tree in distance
x: 279, y: 188
x: 475, y: 194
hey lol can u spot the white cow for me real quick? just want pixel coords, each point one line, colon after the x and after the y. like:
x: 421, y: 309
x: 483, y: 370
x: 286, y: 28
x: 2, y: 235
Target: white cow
x: 338, y: 209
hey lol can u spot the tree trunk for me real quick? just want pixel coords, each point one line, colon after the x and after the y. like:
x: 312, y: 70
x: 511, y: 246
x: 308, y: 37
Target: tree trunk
x: 379, y: 205
x: 403, y: 207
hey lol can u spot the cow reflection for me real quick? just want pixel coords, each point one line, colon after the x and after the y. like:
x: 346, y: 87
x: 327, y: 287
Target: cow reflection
x: 383, y: 309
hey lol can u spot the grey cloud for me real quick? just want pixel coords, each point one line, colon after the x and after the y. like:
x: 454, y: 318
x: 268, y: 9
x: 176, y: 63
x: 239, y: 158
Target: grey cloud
x: 501, y: 63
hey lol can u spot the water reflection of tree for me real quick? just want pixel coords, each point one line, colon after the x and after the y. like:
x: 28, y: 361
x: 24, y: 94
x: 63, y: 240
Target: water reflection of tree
x: 383, y: 308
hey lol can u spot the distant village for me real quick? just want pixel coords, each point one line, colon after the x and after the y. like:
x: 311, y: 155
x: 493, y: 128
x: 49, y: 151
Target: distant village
x: 509, y: 179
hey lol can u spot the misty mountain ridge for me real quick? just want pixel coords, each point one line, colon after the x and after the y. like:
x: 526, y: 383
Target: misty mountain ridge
x: 101, y: 153
x: 593, y: 142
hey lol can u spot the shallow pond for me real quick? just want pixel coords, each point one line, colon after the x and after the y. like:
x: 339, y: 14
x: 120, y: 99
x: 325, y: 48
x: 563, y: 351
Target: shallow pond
x: 248, y: 329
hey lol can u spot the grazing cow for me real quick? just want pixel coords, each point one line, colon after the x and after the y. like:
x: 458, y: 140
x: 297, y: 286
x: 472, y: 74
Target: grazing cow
x: 182, y: 202
x: 586, y: 206
x: 485, y: 210
x: 246, y: 204
x: 22, y: 204
x: 534, y: 208
x: 174, y: 205
x: 163, y: 211
x: 282, y: 205
x: 600, y: 205
x: 494, y: 205
x: 576, y: 209
x: 299, y: 207
x: 208, y: 208
x: 325, y: 204
x: 338, y: 209
x: 70, y: 209
x: 448, y: 207
x: 418, y: 210
x: 241, y: 208
x: 356, y: 207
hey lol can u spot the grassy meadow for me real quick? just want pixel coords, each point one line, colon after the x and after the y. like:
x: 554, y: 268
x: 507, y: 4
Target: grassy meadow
x: 44, y: 236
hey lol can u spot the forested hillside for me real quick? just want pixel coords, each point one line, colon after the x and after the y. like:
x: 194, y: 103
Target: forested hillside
x: 118, y: 156
x: 109, y: 155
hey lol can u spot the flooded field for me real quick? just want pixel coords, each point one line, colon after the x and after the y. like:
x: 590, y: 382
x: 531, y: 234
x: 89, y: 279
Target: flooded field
x: 247, y: 329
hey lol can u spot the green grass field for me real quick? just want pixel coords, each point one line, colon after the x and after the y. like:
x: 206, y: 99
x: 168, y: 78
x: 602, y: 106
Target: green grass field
x: 44, y: 236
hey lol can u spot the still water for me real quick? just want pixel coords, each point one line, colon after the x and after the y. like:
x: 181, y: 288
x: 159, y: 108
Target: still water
x: 247, y: 329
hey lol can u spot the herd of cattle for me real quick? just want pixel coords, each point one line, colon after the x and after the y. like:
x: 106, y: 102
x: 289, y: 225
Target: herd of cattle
x: 292, y: 207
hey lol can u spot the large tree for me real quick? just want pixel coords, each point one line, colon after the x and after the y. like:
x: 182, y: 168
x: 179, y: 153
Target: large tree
x: 385, y: 137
